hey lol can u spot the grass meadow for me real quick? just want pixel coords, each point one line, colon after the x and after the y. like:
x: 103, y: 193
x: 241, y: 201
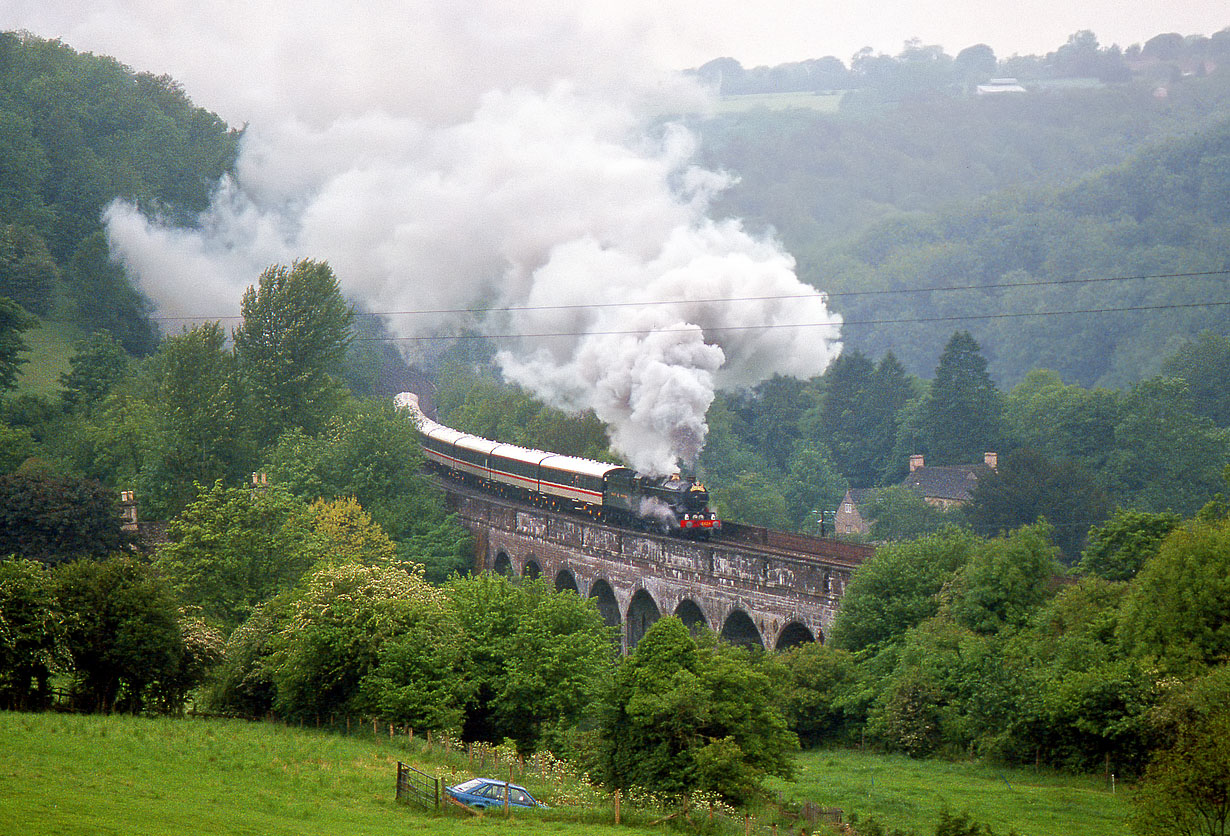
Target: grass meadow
x: 49, y: 344
x: 130, y: 776
x: 909, y: 794
x: 124, y: 776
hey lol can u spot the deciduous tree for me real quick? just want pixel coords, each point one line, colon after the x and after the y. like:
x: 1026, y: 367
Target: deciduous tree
x: 121, y: 632
x: 1166, y: 458
x: 1004, y: 580
x: 98, y: 363
x: 368, y: 640
x: 198, y: 403
x: 28, y: 272
x: 899, y: 513
x: 370, y: 451
x: 1185, y: 790
x: 291, y: 347
x: 1178, y: 611
x: 1027, y: 487
x: 1120, y: 546
x: 684, y: 718
x: 233, y: 548
x: 897, y: 587
x: 31, y: 634
x: 349, y: 535
x: 811, y: 485
x: 54, y: 518
x: 1204, y: 363
x: 538, y: 659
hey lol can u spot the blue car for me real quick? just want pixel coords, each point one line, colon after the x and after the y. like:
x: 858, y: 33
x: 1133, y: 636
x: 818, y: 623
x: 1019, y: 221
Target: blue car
x: 484, y: 792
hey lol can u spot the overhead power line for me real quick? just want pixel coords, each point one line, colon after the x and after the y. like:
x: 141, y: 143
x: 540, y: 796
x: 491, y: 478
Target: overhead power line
x: 736, y: 299
x: 776, y: 325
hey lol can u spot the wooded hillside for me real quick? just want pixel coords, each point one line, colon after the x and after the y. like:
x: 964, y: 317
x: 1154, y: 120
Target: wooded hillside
x: 78, y: 131
x: 1016, y: 195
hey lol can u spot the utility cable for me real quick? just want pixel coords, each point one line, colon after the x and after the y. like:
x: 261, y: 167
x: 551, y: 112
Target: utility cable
x: 768, y: 298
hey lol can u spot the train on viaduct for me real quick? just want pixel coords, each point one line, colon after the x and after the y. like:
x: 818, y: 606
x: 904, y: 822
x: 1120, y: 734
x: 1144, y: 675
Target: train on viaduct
x: 753, y: 586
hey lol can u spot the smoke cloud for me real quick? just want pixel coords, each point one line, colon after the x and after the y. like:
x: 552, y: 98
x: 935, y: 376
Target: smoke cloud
x: 480, y: 156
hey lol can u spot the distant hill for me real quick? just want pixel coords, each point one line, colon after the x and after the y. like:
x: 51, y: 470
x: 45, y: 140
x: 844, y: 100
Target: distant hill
x: 942, y: 190
x: 1132, y: 240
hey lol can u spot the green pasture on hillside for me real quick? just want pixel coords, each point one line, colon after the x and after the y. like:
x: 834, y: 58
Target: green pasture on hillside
x: 126, y: 776
x: 909, y: 794
x: 49, y: 344
x: 129, y: 776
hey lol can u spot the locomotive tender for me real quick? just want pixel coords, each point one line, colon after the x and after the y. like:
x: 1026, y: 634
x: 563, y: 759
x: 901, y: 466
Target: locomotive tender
x: 608, y: 492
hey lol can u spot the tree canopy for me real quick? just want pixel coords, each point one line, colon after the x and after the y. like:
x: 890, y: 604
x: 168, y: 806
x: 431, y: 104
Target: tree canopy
x: 290, y: 348
x: 13, y: 321
x: 78, y: 131
x: 685, y: 718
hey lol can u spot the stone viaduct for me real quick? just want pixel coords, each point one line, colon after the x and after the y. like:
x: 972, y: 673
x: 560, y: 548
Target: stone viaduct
x: 753, y: 586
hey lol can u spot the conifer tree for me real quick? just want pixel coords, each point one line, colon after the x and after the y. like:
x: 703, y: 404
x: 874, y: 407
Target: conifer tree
x: 964, y: 412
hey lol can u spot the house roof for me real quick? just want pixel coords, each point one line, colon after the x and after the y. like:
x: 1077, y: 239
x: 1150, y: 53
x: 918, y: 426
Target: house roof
x: 860, y: 495
x: 954, y: 482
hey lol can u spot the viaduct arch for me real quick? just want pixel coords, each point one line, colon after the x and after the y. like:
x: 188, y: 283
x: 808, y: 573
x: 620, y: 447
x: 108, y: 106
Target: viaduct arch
x: 751, y: 594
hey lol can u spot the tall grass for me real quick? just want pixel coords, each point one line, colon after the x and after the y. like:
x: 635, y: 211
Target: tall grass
x: 910, y: 794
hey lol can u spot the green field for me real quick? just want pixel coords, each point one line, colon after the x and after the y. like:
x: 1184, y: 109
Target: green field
x: 67, y: 775
x: 50, y: 345
x: 909, y: 794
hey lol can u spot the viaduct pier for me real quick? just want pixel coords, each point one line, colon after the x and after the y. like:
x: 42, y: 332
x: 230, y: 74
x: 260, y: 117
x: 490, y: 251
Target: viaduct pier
x: 753, y: 586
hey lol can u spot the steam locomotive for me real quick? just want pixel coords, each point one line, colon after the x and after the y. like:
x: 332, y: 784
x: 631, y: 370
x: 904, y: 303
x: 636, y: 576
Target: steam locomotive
x: 664, y: 504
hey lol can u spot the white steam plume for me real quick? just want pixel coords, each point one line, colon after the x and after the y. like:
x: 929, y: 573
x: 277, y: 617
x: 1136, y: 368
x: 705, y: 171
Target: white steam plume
x: 490, y: 157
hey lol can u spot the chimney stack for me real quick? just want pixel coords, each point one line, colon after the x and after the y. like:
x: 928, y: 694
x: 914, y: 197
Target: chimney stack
x: 916, y: 461
x: 991, y: 460
x: 128, y: 511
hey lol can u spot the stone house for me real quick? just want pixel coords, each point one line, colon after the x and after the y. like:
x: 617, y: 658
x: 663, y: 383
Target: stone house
x: 943, y: 486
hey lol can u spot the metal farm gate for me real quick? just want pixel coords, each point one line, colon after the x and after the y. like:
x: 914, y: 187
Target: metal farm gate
x: 417, y: 788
